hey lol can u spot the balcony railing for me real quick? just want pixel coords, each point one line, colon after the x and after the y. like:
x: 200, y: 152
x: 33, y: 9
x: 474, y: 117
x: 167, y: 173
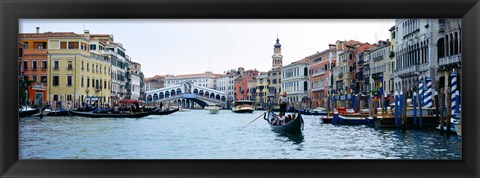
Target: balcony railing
x: 39, y: 86
x: 407, y: 70
x: 318, y: 73
x: 450, y: 60
x: 424, y: 67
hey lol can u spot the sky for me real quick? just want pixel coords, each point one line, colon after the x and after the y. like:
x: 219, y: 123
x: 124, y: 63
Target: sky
x: 188, y: 46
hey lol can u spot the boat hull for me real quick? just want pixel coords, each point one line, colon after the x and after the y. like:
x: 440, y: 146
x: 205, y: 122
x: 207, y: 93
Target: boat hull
x: 107, y: 115
x: 352, y: 119
x: 243, y: 111
x: 388, y: 121
x: 158, y: 112
x: 28, y: 113
x: 292, y: 127
x: 213, y: 111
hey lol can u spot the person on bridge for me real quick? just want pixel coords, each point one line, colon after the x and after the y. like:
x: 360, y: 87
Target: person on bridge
x: 283, y: 103
x: 161, y: 106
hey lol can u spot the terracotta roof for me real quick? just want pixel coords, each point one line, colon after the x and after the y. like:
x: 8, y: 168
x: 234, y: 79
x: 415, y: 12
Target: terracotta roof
x: 193, y: 75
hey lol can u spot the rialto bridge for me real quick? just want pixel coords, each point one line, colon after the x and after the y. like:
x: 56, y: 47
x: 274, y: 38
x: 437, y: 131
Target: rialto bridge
x: 185, y: 94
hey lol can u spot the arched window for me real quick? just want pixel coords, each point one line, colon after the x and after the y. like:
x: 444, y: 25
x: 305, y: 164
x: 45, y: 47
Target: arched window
x: 305, y: 71
x: 305, y: 86
x: 456, y: 43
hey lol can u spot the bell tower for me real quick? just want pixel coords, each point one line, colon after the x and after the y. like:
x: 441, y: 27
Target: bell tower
x: 277, y: 55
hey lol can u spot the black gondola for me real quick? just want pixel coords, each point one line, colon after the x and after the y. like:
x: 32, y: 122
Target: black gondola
x: 27, y: 112
x: 292, y: 127
x: 166, y: 112
x: 312, y: 113
x: 114, y: 115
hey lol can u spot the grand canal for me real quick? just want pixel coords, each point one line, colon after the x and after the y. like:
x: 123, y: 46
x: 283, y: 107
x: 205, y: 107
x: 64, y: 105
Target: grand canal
x: 199, y: 135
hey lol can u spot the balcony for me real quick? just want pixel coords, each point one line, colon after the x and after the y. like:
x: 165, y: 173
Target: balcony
x: 39, y: 86
x: 450, y: 60
x: 407, y: 71
x: 318, y: 73
x: 319, y: 88
x: 424, y: 67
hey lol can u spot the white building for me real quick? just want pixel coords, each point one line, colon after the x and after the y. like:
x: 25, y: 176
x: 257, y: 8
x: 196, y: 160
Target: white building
x: 136, y: 84
x: 416, y: 51
x: 226, y: 83
x: 295, y: 80
x: 206, y: 79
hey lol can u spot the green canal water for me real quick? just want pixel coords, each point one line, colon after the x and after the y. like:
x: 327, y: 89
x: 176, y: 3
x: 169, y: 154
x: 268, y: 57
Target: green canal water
x: 199, y: 135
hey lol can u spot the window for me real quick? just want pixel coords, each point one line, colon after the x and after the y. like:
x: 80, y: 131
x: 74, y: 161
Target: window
x: 69, y: 97
x: 44, y: 65
x: 25, y: 65
x: 25, y: 46
x: 56, y: 80
x: 93, y: 82
x: 73, y: 45
x: 34, y: 78
x: 56, y: 65
x: 88, y: 68
x: 25, y: 78
x: 104, y: 84
x: 93, y: 68
x: 69, y: 67
x: 63, y: 45
x: 100, y: 69
x: 39, y: 45
x: 88, y: 82
x: 69, y: 80
x: 82, y: 65
x: 81, y: 81
x: 93, y: 47
x: 55, y: 97
x: 104, y: 70
x: 43, y: 79
x: 34, y: 65
x: 96, y: 84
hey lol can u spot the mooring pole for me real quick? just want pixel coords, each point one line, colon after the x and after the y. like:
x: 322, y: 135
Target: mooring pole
x: 396, y: 109
x: 414, y: 101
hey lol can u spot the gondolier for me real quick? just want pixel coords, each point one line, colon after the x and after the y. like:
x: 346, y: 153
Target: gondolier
x: 283, y: 103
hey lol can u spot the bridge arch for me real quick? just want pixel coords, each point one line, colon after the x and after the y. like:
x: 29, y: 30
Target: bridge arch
x: 149, y: 98
x: 172, y: 93
x: 217, y: 97
x: 224, y: 98
x: 212, y: 95
x: 161, y: 95
x: 200, y: 93
x: 155, y: 97
x: 167, y: 94
x: 207, y: 94
x: 179, y: 91
x: 195, y: 91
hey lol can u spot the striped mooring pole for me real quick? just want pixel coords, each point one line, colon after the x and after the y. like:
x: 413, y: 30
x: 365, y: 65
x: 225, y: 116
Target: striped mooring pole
x: 420, y: 103
x: 396, y: 109
x: 414, y: 101
x: 455, y: 107
x: 427, y: 101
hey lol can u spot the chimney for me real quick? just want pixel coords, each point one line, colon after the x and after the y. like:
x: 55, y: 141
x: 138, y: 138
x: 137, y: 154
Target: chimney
x: 38, y: 30
x: 87, y: 33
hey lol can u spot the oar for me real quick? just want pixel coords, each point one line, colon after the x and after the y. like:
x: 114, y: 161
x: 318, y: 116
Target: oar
x: 256, y: 118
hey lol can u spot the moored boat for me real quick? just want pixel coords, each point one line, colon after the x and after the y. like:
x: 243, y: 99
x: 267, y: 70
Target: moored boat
x: 388, y: 121
x: 57, y: 112
x: 351, y: 119
x: 292, y: 127
x: 242, y: 106
x: 26, y: 111
x: 314, y: 112
x: 112, y: 115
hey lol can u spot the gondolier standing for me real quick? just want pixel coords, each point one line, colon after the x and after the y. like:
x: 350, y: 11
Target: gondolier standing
x: 283, y: 103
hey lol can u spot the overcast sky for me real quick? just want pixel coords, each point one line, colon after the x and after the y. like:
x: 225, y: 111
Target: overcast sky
x: 186, y: 46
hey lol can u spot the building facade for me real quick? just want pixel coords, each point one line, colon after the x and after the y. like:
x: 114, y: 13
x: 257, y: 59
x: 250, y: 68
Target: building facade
x: 295, y: 82
x: 320, y: 66
x: 262, y: 90
x: 274, y: 75
x: 135, y: 87
x: 155, y: 82
x: 207, y: 79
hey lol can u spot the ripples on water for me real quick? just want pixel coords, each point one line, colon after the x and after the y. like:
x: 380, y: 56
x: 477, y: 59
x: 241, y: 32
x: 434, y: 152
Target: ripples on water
x: 199, y: 135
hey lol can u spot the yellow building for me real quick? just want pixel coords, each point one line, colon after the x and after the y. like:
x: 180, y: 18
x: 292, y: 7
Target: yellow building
x: 262, y: 90
x: 76, y: 73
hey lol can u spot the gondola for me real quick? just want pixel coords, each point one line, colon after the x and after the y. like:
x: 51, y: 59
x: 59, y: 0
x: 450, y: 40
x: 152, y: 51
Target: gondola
x: 166, y: 112
x: 312, y: 112
x: 58, y: 112
x: 292, y: 127
x: 26, y: 111
x: 114, y: 115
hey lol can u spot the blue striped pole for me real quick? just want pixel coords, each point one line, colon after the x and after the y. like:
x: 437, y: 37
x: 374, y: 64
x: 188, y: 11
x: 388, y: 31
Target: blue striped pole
x: 396, y: 109
x: 428, y: 95
x: 453, y: 82
x: 458, y: 102
x: 420, y: 103
x: 414, y: 101
x: 381, y: 93
x: 400, y: 109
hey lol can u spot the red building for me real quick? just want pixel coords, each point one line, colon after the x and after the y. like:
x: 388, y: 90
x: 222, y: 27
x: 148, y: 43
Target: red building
x: 33, y: 66
x: 320, y: 75
x: 245, y: 85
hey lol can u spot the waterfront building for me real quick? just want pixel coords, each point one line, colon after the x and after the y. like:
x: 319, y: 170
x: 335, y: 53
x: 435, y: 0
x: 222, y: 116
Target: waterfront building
x: 358, y: 68
x: 33, y: 67
x: 245, y: 85
x: 449, y: 59
x: 262, y: 90
x: 379, y: 68
x: 295, y: 81
x: 155, y: 82
x: 393, y: 47
x: 105, y: 45
x: 417, y: 53
x: 207, y: 79
x: 320, y: 66
x: 226, y: 83
x: 136, y: 88
x: 274, y: 75
x: 75, y: 73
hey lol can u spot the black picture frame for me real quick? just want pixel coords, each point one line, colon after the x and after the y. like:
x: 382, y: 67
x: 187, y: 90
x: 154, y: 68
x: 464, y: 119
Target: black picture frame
x: 11, y: 11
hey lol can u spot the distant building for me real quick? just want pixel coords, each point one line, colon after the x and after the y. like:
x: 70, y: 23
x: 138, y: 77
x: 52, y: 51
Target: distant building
x: 262, y: 90
x: 245, y: 85
x: 274, y: 75
x: 207, y: 79
x: 226, y: 83
x: 320, y: 65
x: 155, y: 82
x: 135, y: 86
